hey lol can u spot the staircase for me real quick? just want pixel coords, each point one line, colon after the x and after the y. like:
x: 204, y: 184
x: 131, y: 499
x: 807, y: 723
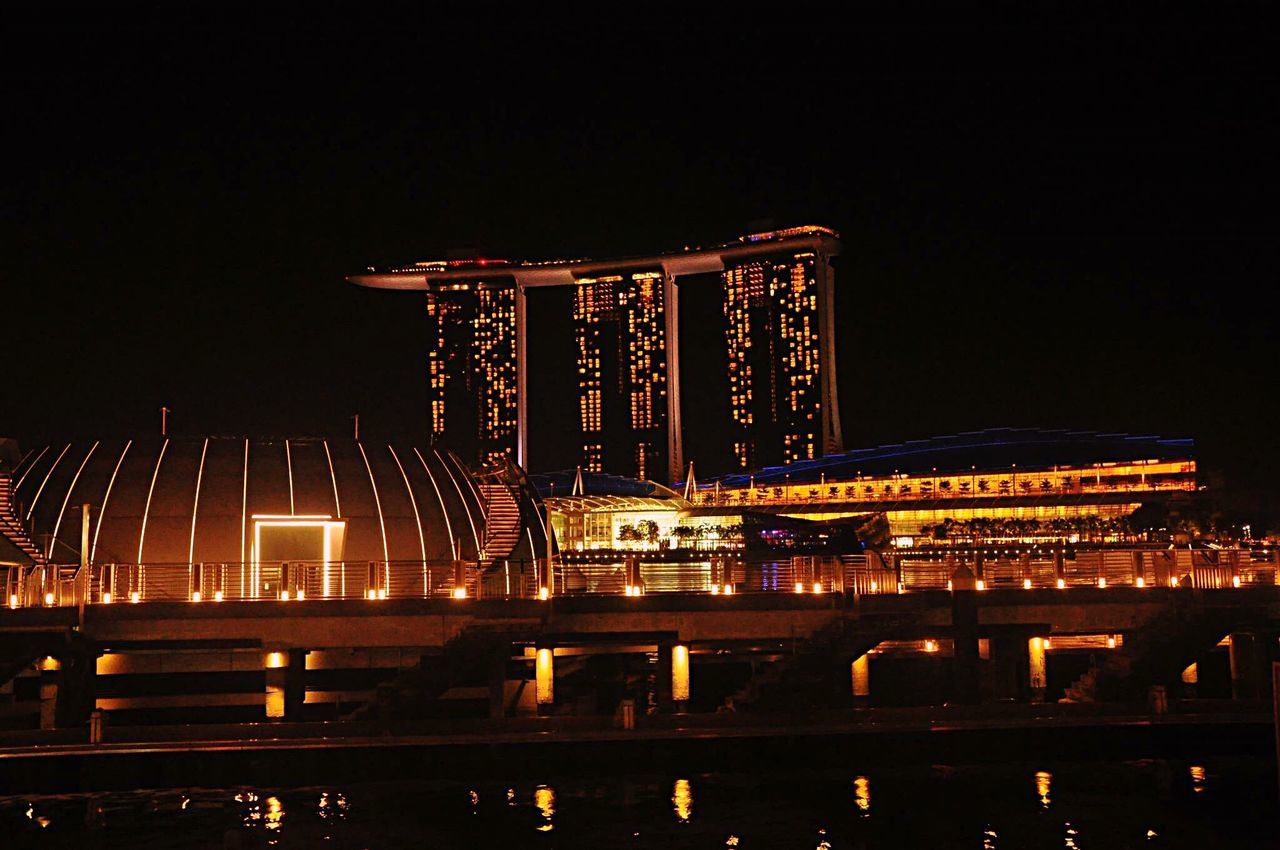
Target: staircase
x: 11, y: 526
x: 1158, y: 652
x: 502, y: 523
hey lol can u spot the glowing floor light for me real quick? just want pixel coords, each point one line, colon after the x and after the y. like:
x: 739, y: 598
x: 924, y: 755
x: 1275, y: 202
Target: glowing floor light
x: 135, y: 597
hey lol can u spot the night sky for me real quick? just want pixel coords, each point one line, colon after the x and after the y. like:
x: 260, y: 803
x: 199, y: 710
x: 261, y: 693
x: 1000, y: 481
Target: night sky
x: 1061, y: 223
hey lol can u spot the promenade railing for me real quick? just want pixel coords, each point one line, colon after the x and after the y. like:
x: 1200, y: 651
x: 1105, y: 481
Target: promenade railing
x: 629, y: 573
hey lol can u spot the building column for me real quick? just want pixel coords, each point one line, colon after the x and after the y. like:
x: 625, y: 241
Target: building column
x: 832, y: 438
x: 675, y: 441
x: 522, y: 378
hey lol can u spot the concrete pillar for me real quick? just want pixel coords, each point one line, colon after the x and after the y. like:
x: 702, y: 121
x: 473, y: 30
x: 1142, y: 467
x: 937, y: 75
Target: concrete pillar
x: 49, y: 687
x: 295, y: 685
x: 979, y: 561
x: 498, y: 682
x: 1008, y: 667
x: 680, y: 675
x: 545, y: 679
x: 1059, y: 569
x: 1244, y: 666
x: 965, y: 667
x: 77, y: 680
x: 861, y: 674
x: 663, y: 681
x: 1037, y: 668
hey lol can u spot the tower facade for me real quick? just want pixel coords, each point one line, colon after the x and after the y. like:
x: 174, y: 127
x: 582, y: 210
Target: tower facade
x: 772, y: 339
x: 620, y: 330
x: 472, y: 368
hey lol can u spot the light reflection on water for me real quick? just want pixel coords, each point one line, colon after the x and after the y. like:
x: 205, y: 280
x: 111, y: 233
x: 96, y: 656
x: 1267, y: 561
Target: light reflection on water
x: 1155, y: 804
x: 682, y: 800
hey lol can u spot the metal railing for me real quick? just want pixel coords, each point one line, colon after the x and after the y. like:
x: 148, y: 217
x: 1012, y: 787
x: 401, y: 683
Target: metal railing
x: 726, y: 572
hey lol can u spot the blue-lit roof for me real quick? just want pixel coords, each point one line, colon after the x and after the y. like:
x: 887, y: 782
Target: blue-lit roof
x: 992, y: 449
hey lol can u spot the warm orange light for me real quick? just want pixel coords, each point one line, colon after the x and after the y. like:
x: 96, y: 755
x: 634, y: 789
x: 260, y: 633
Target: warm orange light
x: 1140, y: 581
x: 275, y: 660
x: 106, y: 597
x: 1046, y: 643
x: 982, y: 585
x: 1102, y: 581
x: 799, y: 587
x: 680, y: 673
x: 135, y: 597
x: 48, y: 599
x: 13, y: 600
x: 195, y: 596
x: 1235, y: 581
x: 1062, y: 583
x: 284, y: 596
x: 728, y: 590
x: 302, y: 594
x: 217, y: 596
x: 545, y: 677
x: 715, y: 590
x: 459, y: 593
x: 382, y: 593
x: 874, y: 587
x: 817, y: 587
x: 1173, y: 581
x: 930, y: 646
x: 1111, y: 642
x: 544, y: 593
x: 1026, y: 584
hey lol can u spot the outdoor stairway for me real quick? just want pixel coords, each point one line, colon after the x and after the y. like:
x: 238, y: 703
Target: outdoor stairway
x: 11, y: 526
x: 1158, y: 652
x: 502, y: 523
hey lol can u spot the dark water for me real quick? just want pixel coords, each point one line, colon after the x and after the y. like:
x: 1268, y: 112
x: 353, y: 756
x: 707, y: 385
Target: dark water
x: 1148, y: 804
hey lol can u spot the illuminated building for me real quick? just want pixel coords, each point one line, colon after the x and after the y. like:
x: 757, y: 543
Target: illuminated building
x: 619, y: 324
x: 1031, y: 485
x: 778, y: 331
x: 471, y: 367
x: 772, y: 336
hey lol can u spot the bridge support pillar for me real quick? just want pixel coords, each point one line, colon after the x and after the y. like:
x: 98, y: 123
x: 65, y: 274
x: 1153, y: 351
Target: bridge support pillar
x: 67, y: 689
x: 861, y: 673
x: 1009, y: 666
x: 966, y: 677
x: 498, y: 682
x: 286, y: 684
x: 663, y: 680
x: 545, y: 679
x: 1037, y: 668
x: 1244, y: 684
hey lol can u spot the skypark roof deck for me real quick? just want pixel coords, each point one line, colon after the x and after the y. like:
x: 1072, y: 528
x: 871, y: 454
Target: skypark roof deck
x: 422, y: 275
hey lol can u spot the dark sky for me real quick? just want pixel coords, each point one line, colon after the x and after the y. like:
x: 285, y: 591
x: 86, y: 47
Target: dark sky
x: 1054, y: 222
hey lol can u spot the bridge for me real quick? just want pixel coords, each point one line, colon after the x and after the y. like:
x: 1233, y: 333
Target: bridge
x: 816, y: 631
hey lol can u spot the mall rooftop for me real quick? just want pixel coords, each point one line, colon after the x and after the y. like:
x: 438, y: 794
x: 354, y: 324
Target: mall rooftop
x: 990, y: 450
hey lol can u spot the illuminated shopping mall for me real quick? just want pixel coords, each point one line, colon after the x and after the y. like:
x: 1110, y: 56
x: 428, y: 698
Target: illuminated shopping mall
x: 1002, y: 485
